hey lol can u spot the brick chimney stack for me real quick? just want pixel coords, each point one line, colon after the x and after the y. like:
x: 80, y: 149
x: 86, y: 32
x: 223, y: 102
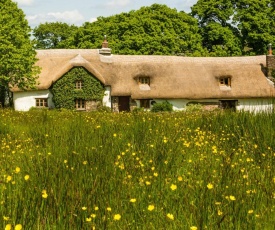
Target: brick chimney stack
x: 105, y: 50
x: 270, y: 62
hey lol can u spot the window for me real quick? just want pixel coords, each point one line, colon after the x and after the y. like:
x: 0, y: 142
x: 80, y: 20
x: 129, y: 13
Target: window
x: 225, y: 81
x: 145, y: 103
x: 144, y: 80
x: 78, y: 84
x: 41, y: 102
x: 80, y: 104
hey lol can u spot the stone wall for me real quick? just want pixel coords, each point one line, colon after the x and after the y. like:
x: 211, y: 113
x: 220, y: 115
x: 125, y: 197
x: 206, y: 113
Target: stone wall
x: 270, y: 64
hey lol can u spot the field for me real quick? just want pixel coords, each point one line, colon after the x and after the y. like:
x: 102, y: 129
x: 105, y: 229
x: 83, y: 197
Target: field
x: 70, y: 170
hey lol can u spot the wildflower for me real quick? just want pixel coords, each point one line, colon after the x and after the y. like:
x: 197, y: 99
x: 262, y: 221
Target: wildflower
x: 88, y: 219
x: 210, y: 186
x: 156, y: 174
x: 219, y: 212
x: 193, y: 228
x: 26, y: 177
x: 18, y: 227
x: 133, y: 200
x: 109, y: 209
x: 93, y: 215
x: 6, y: 218
x: 84, y: 208
x: 96, y: 208
x: 173, y: 187
x: 85, y: 162
x: 250, y: 211
x: 8, y: 227
x: 151, y: 207
x: 65, y: 161
x: 9, y: 178
x: 179, y: 178
x: 232, y: 198
x: 147, y: 182
x: 170, y: 216
x: 17, y: 169
x: 117, y: 217
x: 44, y: 194
x: 115, y: 135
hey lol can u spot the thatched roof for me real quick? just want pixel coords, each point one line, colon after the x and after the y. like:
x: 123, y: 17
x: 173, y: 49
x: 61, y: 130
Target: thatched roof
x: 170, y: 76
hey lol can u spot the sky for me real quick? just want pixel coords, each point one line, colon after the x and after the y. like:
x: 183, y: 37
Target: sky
x: 79, y: 11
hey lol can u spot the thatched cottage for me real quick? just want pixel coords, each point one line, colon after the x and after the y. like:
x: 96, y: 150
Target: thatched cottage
x: 130, y: 81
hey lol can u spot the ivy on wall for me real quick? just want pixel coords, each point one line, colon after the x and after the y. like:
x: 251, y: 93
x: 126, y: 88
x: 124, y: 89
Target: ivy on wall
x: 65, y: 93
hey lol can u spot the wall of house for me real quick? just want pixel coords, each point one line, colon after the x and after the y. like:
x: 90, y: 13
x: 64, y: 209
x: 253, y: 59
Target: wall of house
x: 252, y: 105
x: 255, y: 105
x: 23, y: 101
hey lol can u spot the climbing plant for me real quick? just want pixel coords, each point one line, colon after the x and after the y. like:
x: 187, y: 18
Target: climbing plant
x: 65, y: 92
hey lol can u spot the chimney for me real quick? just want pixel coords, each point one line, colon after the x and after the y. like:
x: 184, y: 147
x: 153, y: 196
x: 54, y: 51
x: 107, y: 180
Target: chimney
x: 105, y: 50
x: 270, y: 62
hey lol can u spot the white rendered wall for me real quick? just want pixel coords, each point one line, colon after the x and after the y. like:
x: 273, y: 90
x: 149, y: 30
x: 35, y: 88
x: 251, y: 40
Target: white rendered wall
x: 107, y: 97
x: 255, y: 105
x: 23, y: 101
x: 252, y: 105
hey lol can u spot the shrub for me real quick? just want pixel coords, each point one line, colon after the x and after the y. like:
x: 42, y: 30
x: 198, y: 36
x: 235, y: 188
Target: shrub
x: 162, y: 107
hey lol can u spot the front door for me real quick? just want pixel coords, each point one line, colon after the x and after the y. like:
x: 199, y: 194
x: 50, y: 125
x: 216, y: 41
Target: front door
x: 124, y: 103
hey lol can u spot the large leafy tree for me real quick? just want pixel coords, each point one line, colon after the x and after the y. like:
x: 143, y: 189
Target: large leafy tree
x: 17, y: 56
x: 220, y: 36
x: 53, y: 35
x: 156, y: 29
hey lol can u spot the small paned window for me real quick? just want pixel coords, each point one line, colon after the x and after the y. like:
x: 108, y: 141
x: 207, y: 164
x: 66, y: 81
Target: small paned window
x: 145, y: 103
x: 144, y: 80
x: 80, y: 104
x: 78, y: 84
x: 41, y: 102
x: 225, y: 81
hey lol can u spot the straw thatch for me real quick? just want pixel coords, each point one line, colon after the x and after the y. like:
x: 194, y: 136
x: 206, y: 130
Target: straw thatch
x: 170, y: 76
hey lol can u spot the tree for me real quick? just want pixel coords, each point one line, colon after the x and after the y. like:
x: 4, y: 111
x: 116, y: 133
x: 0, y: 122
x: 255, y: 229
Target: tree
x: 53, y: 35
x: 220, y: 37
x: 17, y: 55
x: 156, y: 29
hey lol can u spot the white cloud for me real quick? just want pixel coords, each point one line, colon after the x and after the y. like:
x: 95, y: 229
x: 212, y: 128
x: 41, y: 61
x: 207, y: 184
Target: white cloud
x: 24, y: 2
x: 118, y: 3
x: 70, y: 17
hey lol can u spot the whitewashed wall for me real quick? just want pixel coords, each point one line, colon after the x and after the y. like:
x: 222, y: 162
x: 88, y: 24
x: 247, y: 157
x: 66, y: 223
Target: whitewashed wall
x: 255, y: 105
x: 107, y: 97
x: 23, y: 101
x: 252, y: 105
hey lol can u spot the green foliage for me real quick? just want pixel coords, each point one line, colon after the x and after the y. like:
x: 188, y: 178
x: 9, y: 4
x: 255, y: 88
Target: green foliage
x: 156, y: 29
x: 162, y: 107
x: 53, y: 35
x: 194, y: 108
x: 65, y: 92
x: 17, y: 56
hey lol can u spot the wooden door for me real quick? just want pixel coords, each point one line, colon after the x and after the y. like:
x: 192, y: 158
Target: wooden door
x: 124, y: 103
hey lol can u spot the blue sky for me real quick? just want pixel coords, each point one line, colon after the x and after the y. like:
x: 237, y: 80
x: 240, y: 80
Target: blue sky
x: 79, y: 11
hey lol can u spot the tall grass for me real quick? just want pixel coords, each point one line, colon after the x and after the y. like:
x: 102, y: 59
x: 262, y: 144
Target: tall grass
x: 69, y: 170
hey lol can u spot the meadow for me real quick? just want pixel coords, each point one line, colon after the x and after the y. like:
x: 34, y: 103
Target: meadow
x: 201, y: 170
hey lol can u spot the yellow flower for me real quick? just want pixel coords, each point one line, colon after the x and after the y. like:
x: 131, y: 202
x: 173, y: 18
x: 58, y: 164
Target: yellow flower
x: 115, y: 135
x: 250, y: 211
x: 85, y: 162
x: 156, y: 174
x: 133, y: 200
x: 17, y: 169
x: 219, y: 212
x: 6, y: 218
x: 210, y: 186
x: 44, y: 194
x: 26, y: 177
x: 173, y: 187
x: 151, y: 207
x: 88, y: 219
x: 232, y: 198
x: 18, y: 227
x: 8, y: 227
x: 96, y: 208
x: 109, y: 209
x: 193, y: 228
x: 84, y: 208
x: 170, y: 216
x: 93, y: 215
x: 117, y: 217
x: 179, y: 178
x: 9, y: 178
